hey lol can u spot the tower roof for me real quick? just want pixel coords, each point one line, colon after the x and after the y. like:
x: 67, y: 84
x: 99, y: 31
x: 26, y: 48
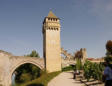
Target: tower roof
x: 52, y: 15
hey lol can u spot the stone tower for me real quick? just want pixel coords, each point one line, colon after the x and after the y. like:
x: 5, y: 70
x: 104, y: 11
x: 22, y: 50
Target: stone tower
x: 51, y: 43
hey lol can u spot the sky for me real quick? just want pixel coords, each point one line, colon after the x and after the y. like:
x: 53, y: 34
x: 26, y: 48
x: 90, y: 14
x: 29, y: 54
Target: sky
x: 84, y: 24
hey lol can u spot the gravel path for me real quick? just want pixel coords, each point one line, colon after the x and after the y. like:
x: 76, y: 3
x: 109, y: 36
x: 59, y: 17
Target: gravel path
x: 64, y: 79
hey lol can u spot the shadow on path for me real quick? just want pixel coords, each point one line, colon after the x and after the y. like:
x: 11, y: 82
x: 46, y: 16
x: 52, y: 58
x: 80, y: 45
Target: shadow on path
x: 91, y: 84
x: 35, y: 85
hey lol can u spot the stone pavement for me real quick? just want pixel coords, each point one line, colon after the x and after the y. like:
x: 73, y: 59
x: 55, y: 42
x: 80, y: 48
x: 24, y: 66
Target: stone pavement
x: 65, y: 79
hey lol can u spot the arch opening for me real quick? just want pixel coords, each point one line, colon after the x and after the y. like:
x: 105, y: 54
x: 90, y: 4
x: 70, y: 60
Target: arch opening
x: 25, y: 72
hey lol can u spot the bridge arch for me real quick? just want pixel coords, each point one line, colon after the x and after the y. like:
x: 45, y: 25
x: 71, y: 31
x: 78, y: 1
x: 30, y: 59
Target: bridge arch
x: 16, y: 63
x: 25, y: 62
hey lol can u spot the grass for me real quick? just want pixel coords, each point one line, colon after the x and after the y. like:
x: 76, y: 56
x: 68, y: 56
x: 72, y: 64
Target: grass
x: 45, y: 78
x: 42, y: 80
x: 68, y: 68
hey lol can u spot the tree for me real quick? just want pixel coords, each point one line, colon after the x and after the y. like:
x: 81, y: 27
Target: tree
x: 108, y: 57
x: 109, y: 47
x: 87, y: 70
x: 93, y: 70
x: 33, y: 54
x: 78, y: 55
x: 78, y: 64
x: 28, y: 72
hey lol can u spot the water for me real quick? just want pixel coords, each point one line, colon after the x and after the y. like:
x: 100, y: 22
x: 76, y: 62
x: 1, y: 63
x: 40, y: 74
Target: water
x: 13, y: 79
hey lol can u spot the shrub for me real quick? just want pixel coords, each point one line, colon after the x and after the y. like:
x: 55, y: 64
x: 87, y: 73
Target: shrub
x: 25, y: 77
x: 78, y: 64
x: 25, y: 70
x: 109, y: 46
x: 68, y: 68
x: 93, y: 70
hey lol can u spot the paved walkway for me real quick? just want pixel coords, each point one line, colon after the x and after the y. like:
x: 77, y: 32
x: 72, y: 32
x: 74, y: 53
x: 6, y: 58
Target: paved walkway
x: 64, y: 79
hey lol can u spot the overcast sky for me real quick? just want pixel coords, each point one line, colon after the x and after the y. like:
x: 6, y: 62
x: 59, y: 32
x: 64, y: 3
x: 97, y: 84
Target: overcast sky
x: 84, y: 24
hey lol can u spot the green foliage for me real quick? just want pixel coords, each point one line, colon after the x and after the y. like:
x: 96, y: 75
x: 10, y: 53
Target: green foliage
x: 25, y: 77
x: 97, y: 71
x: 108, y: 59
x: 93, y: 70
x: 27, y: 72
x: 68, y: 68
x: 33, y: 54
x: 78, y: 64
x: 109, y: 47
x: 42, y: 80
x: 87, y: 70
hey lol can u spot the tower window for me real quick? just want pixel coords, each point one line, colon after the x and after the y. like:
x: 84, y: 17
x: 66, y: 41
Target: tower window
x: 53, y: 19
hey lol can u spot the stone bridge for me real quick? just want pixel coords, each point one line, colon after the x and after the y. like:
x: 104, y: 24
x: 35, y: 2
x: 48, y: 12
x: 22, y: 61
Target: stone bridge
x: 9, y: 63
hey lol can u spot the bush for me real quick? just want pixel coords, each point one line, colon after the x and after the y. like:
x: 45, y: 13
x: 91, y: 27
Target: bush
x: 27, y: 72
x: 25, y: 77
x: 93, y: 70
x: 68, y: 68
x: 108, y: 59
x: 109, y: 46
x: 87, y: 70
x: 78, y: 64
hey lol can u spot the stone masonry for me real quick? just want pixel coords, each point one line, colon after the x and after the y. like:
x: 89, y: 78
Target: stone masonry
x: 9, y: 63
x: 51, y: 43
